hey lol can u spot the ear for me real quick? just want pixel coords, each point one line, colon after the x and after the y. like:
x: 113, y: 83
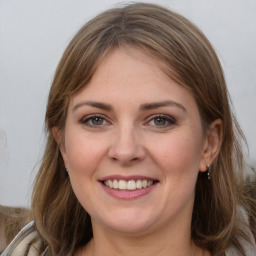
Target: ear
x: 58, y: 136
x: 212, y: 144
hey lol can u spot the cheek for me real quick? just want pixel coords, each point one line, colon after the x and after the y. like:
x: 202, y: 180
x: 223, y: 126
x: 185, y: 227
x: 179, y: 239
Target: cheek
x: 83, y: 153
x: 83, y: 156
x: 179, y: 154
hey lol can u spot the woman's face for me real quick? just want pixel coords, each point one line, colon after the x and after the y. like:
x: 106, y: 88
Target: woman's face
x: 134, y: 145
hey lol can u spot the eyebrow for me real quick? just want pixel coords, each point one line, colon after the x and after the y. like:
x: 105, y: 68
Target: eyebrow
x: 160, y: 104
x: 143, y: 107
x: 94, y: 104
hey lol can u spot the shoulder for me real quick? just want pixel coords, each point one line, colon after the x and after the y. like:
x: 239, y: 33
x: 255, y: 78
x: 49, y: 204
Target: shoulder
x: 249, y: 249
x: 249, y: 244
x: 21, y: 243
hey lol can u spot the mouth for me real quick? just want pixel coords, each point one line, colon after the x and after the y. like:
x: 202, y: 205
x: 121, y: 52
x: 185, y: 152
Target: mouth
x: 130, y: 185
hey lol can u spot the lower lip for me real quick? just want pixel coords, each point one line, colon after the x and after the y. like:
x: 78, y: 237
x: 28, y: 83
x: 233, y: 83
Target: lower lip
x: 128, y: 194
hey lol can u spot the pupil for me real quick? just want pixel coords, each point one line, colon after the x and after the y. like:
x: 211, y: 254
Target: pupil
x: 97, y: 121
x: 160, y: 121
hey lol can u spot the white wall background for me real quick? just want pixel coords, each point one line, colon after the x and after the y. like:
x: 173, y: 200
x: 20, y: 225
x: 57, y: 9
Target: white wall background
x: 33, y: 35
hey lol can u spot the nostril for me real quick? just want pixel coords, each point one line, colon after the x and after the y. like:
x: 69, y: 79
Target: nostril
x: 126, y: 157
x: 126, y: 161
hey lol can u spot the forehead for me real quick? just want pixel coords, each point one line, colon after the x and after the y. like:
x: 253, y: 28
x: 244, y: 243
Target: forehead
x: 131, y: 75
x: 120, y: 57
x: 125, y: 65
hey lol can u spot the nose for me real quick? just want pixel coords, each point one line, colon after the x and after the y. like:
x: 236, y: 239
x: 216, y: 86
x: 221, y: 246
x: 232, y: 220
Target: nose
x: 127, y: 147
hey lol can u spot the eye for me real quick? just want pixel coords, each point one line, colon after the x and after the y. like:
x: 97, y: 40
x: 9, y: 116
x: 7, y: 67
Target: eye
x: 161, y: 121
x: 94, y: 121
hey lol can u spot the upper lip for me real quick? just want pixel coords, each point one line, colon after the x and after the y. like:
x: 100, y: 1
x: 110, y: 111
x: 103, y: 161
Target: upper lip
x: 127, y: 178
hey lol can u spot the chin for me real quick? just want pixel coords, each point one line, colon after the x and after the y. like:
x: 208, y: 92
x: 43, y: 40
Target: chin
x: 129, y: 222
x: 129, y: 227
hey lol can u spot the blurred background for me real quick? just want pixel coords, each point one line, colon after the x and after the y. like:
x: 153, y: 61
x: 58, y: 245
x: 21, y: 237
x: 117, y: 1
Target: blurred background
x: 33, y: 36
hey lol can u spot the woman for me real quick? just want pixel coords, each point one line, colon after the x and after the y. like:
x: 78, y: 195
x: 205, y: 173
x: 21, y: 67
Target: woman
x: 143, y: 154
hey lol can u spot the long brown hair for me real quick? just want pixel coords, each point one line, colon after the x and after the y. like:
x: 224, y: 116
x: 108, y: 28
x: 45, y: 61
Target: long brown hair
x: 191, y: 61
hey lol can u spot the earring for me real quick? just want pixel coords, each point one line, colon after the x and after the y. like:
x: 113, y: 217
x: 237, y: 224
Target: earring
x: 208, y: 171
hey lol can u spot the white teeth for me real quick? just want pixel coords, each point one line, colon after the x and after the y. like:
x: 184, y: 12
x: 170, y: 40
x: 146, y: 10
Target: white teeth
x: 115, y: 184
x: 144, y: 183
x: 122, y: 184
x: 131, y: 185
x: 139, y: 184
x: 110, y: 183
x: 150, y: 183
x: 128, y: 185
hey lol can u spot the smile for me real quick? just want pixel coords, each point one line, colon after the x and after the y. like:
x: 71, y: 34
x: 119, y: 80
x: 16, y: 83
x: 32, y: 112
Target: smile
x: 128, y: 185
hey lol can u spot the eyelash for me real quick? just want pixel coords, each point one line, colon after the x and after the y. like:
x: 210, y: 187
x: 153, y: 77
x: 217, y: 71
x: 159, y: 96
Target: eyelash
x: 86, y: 120
x: 168, y: 121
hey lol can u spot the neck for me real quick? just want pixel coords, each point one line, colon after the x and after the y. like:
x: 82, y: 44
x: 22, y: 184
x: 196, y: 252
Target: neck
x: 141, y: 247
x: 109, y: 243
